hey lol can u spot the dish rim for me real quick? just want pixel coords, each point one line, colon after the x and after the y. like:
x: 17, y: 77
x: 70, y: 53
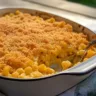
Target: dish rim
x: 56, y: 74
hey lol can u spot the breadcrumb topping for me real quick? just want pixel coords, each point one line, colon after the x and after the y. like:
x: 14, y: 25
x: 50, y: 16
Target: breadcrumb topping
x: 27, y: 40
x: 24, y: 31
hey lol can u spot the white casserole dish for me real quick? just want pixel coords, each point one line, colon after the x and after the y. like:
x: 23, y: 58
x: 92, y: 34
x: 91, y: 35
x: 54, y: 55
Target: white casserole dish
x: 50, y: 85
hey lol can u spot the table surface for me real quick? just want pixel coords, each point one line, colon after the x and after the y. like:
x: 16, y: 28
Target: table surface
x: 84, y: 20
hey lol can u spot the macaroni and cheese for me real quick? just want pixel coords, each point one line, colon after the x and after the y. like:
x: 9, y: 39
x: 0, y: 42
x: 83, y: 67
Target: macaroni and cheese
x: 29, y: 45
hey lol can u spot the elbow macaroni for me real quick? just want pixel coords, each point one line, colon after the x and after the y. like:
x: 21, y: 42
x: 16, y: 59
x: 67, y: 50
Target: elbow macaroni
x: 30, y: 65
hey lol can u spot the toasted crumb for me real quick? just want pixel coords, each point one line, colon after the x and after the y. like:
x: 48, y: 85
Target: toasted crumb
x: 27, y: 42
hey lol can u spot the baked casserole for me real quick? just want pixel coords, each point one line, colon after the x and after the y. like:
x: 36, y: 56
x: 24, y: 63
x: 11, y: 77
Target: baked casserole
x: 29, y: 45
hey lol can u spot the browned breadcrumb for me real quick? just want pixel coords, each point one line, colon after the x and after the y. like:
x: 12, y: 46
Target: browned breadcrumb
x: 23, y: 36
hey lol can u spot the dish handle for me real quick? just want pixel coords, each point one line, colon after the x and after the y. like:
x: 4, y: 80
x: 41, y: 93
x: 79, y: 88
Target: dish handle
x: 83, y: 68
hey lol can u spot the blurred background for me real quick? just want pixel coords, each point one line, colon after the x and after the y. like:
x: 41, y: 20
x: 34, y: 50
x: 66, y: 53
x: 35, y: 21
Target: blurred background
x: 91, y: 3
x: 81, y: 11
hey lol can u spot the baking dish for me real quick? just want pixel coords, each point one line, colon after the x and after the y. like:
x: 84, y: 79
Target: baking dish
x: 49, y: 85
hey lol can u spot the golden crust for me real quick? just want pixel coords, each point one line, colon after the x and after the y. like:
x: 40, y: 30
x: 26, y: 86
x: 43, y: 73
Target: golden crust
x: 27, y: 40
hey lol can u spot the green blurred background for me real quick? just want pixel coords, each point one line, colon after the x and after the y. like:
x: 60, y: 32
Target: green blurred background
x: 91, y: 3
